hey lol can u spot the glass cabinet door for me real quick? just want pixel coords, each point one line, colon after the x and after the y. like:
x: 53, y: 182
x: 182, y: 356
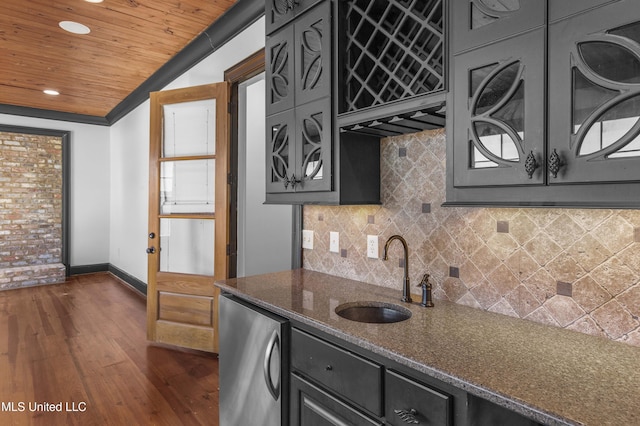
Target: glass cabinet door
x: 594, y: 96
x: 499, y: 113
x: 313, y: 152
x: 280, y: 169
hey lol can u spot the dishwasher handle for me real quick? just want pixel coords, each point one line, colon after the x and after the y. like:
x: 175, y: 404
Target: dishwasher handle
x: 274, y: 342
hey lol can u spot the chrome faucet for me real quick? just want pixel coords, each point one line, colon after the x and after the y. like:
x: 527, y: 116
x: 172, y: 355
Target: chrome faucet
x: 406, y: 289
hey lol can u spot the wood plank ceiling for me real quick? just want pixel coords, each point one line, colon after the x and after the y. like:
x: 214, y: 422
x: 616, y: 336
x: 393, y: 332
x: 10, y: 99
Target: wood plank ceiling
x: 128, y: 42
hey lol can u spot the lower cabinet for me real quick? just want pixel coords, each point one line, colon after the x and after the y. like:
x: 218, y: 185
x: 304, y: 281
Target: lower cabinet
x: 313, y: 406
x: 334, y: 386
x: 336, y: 383
x: 408, y: 401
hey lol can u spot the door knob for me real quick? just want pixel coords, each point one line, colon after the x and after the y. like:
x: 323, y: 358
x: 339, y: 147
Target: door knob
x: 151, y: 250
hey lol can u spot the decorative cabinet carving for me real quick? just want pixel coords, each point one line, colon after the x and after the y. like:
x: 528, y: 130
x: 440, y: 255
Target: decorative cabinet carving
x: 511, y: 129
x: 594, y: 122
x: 308, y: 160
x: 501, y: 123
x: 281, y: 12
x: 299, y: 131
x: 299, y: 147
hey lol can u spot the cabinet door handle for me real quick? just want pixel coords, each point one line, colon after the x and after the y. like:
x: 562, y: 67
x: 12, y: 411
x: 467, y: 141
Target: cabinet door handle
x: 408, y: 416
x: 274, y: 341
x: 530, y: 164
x: 291, y: 181
x: 555, y: 163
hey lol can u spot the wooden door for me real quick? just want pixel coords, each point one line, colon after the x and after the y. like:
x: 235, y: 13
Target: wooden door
x: 188, y: 205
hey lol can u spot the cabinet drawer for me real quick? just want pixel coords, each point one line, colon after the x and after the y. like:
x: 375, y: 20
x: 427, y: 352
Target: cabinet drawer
x: 340, y: 371
x: 405, y: 397
x: 311, y: 406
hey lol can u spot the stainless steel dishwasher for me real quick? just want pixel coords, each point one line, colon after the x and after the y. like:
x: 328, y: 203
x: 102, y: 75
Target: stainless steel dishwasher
x: 253, y: 362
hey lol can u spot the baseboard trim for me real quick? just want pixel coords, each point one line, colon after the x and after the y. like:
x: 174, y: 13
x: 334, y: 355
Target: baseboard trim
x: 129, y: 279
x: 135, y: 283
x: 88, y: 269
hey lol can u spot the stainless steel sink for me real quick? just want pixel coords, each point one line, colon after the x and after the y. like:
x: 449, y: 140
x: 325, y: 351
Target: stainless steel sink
x: 373, y: 312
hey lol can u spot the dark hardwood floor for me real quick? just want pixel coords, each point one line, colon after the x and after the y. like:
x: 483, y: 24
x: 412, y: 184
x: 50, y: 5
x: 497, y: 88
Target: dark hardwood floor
x: 80, y: 347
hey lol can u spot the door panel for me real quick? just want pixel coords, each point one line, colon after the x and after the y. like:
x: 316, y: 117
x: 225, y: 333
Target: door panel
x: 594, y: 97
x: 188, y: 203
x: 479, y: 22
x: 280, y: 66
x: 499, y: 109
x: 312, y: 54
x: 560, y: 9
x: 187, y: 246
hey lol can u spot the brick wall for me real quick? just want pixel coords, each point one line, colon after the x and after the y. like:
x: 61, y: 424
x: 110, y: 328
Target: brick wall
x: 30, y: 210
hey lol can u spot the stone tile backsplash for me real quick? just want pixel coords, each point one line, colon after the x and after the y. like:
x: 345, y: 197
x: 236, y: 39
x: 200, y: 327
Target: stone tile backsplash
x: 571, y: 268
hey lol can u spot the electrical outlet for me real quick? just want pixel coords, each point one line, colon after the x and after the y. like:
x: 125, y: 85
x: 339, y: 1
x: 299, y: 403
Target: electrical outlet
x: 307, y: 239
x: 334, y: 242
x: 372, y: 246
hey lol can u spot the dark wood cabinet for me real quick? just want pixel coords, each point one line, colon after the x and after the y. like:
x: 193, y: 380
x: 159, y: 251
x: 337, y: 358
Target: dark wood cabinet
x: 410, y: 402
x: 391, y: 66
x: 334, y: 382
x: 499, y: 119
x: 479, y: 22
x: 314, y: 406
x: 299, y: 149
x: 281, y: 12
x: 299, y: 118
x: 339, y: 371
x: 594, y: 95
x: 298, y: 61
x: 307, y: 157
x: 560, y: 9
x: 551, y: 116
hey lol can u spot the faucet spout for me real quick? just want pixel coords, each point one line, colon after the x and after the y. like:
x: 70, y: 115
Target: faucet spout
x: 406, y: 288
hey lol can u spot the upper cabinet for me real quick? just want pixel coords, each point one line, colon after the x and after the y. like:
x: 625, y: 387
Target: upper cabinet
x: 594, y: 87
x: 305, y: 152
x: 391, y: 65
x: 298, y: 59
x: 498, y: 117
x: 281, y: 12
x: 545, y: 123
x: 478, y: 22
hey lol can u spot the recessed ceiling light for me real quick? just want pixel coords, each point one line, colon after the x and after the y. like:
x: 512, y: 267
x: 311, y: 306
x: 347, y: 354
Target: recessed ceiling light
x: 74, y: 27
x: 51, y: 92
x: 93, y: 1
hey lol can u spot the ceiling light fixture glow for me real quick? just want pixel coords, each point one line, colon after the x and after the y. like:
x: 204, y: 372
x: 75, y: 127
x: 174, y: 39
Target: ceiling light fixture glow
x: 94, y: 1
x: 51, y: 92
x: 74, y: 27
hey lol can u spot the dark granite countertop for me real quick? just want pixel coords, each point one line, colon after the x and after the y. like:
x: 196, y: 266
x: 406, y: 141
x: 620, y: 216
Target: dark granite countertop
x: 551, y: 375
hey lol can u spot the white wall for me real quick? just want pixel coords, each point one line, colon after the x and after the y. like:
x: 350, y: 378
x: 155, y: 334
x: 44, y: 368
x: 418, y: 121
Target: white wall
x: 130, y: 155
x: 89, y: 192
x: 264, y: 230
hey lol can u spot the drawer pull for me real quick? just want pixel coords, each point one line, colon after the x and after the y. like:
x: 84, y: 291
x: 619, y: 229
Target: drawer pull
x: 328, y: 368
x: 408, y: 416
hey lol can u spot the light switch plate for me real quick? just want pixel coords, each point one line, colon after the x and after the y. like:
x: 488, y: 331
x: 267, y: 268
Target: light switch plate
x: 334, y: 242
x: 307, y: 239
x: 372, y: 246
